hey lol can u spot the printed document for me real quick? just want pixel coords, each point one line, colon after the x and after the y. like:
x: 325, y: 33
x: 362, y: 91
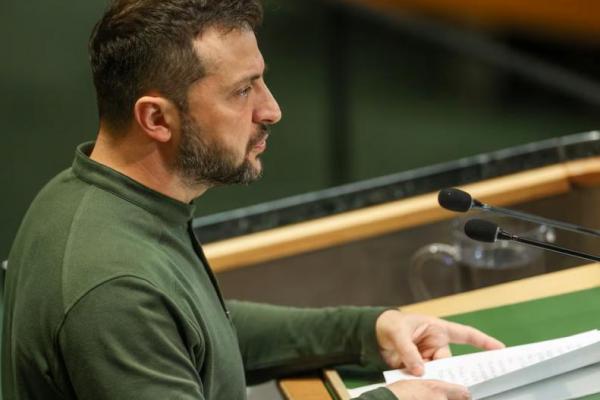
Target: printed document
x: 557, y: 369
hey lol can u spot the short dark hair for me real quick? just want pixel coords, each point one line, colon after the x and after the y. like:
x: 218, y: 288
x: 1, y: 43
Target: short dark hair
x: 143, y: 45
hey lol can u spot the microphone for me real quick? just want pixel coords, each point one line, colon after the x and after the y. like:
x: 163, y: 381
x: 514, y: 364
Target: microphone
x: 457, y: 200
x: 486, y: 231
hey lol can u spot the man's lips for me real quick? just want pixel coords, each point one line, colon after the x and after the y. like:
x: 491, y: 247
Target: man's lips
x: 262, y: 144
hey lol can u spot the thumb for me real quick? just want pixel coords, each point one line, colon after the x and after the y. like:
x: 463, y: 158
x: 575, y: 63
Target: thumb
x: 452, y: 391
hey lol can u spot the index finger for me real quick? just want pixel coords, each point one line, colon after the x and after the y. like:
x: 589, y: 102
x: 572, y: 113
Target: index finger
x: 463, y: 334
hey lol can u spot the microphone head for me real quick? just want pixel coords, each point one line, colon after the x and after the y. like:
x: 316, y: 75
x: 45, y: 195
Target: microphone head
x: 455, y: 200
x: 482, y: 230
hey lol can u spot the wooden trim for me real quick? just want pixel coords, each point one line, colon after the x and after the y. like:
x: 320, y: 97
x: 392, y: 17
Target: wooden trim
x: 304, y: 388
x: 378, y: 220
x: 537, y: 287
x: 336, y: 383
x: 584, y: 173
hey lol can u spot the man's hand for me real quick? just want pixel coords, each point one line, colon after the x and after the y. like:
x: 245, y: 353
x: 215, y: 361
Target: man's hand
x: 430, y: 390
x: 407, y: 340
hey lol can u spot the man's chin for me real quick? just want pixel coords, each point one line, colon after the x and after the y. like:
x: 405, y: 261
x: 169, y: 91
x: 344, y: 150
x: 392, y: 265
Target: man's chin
x: 255, y: 163
x: 249, y: 172
x: 257, y: 172
x: 255, y: 175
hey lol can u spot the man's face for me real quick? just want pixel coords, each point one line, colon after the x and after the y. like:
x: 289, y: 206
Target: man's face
x: 224, y: 131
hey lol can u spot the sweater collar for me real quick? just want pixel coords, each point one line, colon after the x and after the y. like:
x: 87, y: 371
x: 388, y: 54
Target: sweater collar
x: 158, y: 204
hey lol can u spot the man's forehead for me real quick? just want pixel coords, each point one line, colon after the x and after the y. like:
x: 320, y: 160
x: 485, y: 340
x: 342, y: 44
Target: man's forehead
x: 228, y: 50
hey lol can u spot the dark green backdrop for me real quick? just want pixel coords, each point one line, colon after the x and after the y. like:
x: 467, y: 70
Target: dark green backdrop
x: 410, y: 102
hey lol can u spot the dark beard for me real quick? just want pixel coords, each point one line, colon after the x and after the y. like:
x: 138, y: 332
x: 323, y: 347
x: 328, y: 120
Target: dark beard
x: 211, y: 164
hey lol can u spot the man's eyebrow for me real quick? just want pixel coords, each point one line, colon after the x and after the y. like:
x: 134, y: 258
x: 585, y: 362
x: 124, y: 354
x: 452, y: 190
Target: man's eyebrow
x: 250, y: 78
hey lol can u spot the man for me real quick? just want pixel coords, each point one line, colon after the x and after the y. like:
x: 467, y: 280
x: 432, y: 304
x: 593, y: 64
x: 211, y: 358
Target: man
x: 108, y: 294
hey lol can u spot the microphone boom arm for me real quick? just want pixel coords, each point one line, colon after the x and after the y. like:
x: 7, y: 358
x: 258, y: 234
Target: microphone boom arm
x: 551, y: 247
x: 539, y: 220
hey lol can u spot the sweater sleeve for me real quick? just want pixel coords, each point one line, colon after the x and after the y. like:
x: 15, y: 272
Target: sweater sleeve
x: 124, y: 340
x: 276, y: 341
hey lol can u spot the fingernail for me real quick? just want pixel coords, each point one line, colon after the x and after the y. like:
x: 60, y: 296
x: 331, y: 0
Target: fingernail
x: 417, y: 369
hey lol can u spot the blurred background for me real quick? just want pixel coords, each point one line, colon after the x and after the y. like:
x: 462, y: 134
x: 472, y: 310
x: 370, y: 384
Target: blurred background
x: 367, y: 88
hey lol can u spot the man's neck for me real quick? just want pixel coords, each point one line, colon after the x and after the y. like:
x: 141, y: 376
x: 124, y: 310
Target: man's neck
x: 144, y: 162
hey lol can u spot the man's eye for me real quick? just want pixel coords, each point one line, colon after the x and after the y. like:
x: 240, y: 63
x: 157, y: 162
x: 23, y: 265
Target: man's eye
x: 245, y: 92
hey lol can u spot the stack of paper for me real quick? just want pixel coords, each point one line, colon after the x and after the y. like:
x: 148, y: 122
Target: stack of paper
x: 557, y: 369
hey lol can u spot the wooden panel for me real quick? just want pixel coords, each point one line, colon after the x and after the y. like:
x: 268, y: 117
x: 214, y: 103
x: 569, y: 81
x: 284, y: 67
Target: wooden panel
x: 304, y: 389
x: 577, y: 18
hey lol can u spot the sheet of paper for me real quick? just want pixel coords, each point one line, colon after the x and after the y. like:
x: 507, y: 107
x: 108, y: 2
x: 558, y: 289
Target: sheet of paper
x: 490, y: 372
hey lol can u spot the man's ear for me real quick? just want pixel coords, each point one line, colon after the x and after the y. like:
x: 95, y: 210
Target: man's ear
x: 157, y: 117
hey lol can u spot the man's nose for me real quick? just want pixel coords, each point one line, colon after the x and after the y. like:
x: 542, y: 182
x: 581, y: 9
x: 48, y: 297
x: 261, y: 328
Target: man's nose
x: 267, y: 111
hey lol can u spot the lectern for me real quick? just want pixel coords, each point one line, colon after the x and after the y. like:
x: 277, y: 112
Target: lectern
x: 351, y: 244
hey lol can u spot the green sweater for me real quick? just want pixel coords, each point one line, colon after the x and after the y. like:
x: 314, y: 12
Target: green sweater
x: 108, y: 296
